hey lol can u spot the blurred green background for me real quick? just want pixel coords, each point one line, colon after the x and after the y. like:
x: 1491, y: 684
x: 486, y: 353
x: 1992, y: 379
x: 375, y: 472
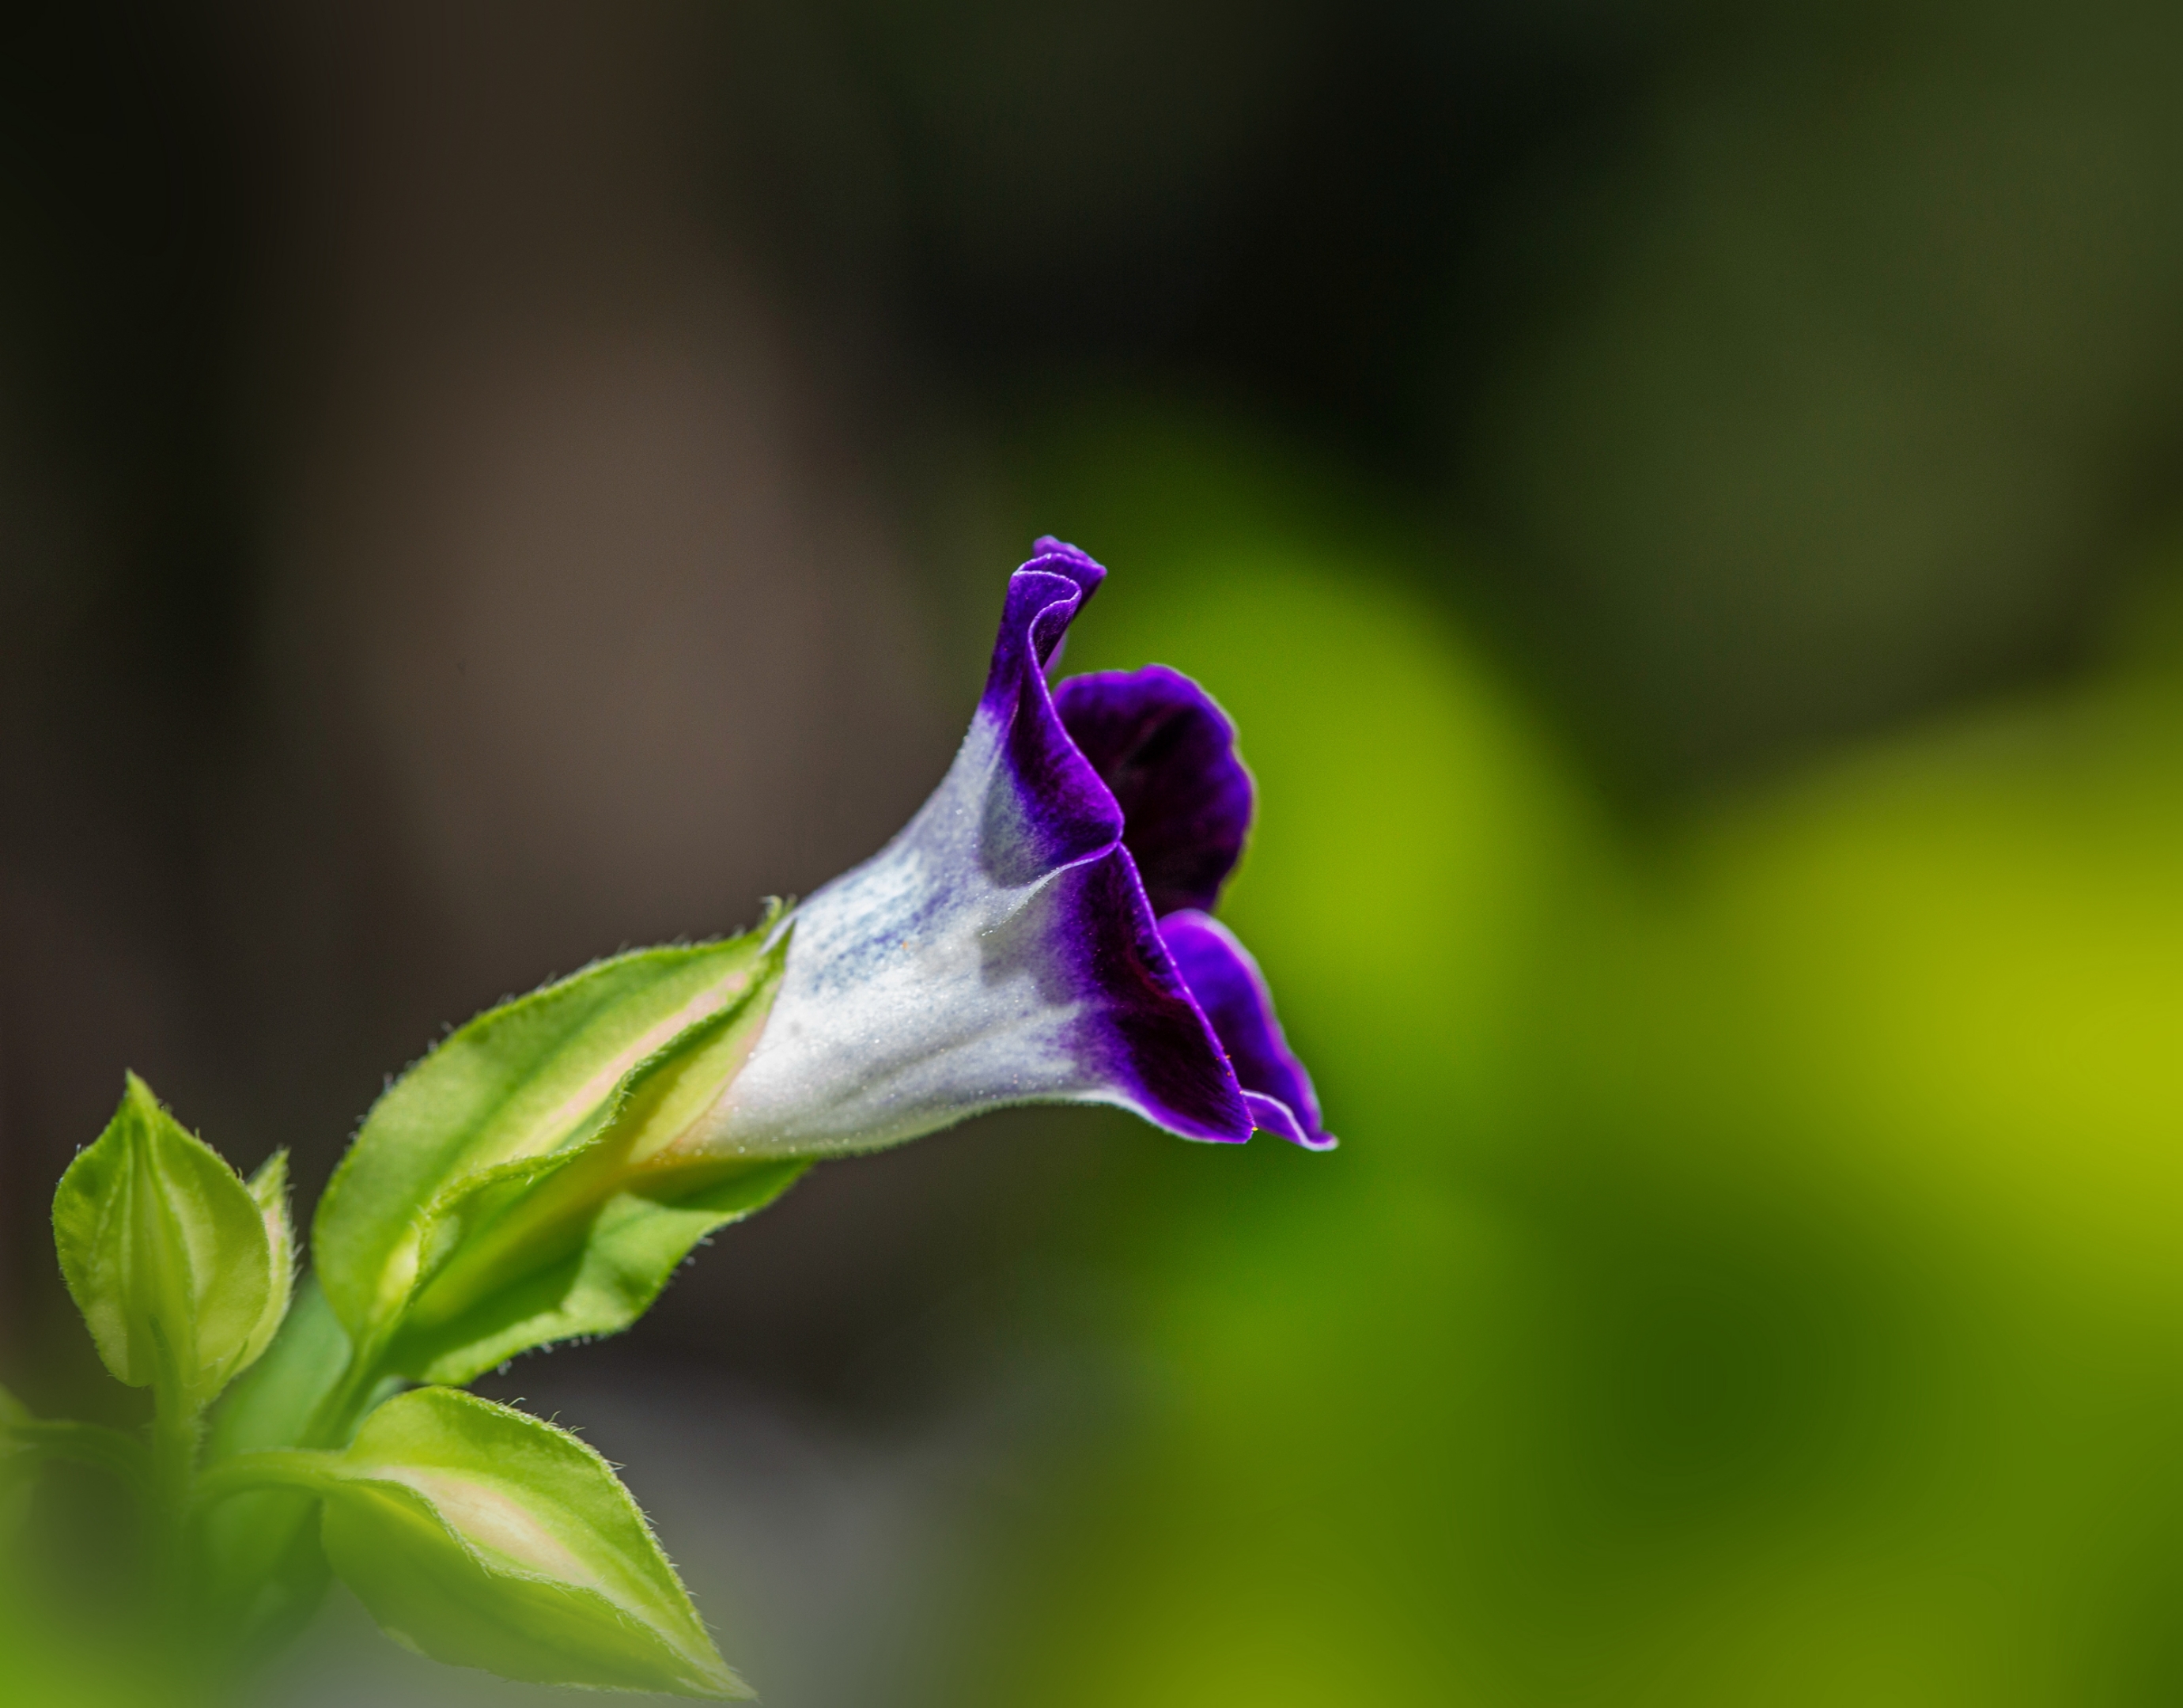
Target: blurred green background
x: 1681, y: 502
x: 1750, y: 1274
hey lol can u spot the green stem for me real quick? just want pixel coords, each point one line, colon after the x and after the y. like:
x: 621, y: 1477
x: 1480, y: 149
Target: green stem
x: 177, y: 1430
x: 177, y: 1427
x: 274, y: 1467
x: 342, y: 1409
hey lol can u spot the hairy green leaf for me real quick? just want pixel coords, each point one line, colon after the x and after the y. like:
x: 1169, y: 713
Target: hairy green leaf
x: 483, y: 1537
x: 166, y: 1251
x: 514, y: 1086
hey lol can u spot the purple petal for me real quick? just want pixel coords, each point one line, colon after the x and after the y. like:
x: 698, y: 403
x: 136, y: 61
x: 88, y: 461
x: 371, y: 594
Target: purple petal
x: 1167, y: 754
x: 1232, y: 993
x: 1150, y: 1039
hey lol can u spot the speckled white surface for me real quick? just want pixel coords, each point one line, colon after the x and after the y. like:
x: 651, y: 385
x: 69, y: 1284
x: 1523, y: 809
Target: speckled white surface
x: 920, y: 989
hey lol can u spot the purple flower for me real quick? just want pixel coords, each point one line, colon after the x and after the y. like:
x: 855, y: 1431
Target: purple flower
x: 1040, y: 932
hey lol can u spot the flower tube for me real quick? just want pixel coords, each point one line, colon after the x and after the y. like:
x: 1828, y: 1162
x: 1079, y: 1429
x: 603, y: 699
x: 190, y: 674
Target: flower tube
x: 1040, y: 931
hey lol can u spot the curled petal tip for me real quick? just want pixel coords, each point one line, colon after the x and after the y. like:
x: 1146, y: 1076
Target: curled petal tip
x: 1062, y: 558
x: 1231, y: 992
x: 1271, y: 1115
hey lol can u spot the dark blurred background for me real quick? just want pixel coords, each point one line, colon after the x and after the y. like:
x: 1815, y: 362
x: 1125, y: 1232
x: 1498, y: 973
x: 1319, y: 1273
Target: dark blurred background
x: 1682, y: 500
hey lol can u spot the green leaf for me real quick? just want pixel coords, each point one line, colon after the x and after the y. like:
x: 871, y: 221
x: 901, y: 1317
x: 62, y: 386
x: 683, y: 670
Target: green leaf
x: 581, y: 1243
x: 514, y: 1086
x: 166, y: 1251
x: 485, y: 1538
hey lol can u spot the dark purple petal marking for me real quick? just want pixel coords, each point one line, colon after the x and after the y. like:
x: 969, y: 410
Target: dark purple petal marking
x: 1232, y: 993
x: 1141, y: 1032
x: 1167, y: 754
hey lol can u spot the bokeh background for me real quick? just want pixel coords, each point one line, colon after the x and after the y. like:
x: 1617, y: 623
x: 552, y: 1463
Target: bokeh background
x: 1682, y: 500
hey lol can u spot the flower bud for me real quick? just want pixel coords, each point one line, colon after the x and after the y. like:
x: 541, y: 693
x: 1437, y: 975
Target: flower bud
x: 167, y: 1253
x: 483, y: 1537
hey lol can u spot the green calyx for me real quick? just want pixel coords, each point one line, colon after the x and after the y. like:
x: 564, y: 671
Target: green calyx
x: 521, y: 1185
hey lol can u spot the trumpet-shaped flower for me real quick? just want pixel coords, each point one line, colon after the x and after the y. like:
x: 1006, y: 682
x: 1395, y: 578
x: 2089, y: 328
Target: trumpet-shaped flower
x: 1040, y: 932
